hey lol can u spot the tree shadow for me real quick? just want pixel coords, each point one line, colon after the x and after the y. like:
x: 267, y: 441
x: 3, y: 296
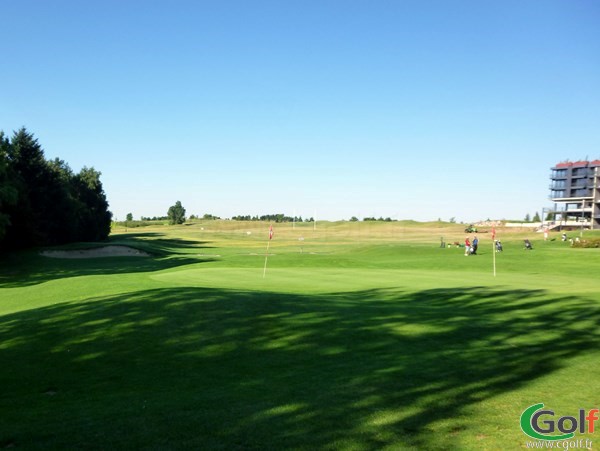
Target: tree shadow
x: 25, y: 268
x: 154, y: 242
x: 222, y: 369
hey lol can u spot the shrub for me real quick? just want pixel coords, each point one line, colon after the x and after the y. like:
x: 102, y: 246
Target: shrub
x: 591, y: 243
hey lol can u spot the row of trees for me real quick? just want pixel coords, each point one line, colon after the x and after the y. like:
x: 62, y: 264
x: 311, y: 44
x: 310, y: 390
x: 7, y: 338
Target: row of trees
x: 43, y: 202
x: 354, y: 219
x: 279, y: 217
x: 536, y: 218
x: 148, y: 218
x: 176, y: 215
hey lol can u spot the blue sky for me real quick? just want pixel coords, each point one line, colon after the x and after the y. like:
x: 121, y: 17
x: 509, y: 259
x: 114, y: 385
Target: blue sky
x: 409, y: 109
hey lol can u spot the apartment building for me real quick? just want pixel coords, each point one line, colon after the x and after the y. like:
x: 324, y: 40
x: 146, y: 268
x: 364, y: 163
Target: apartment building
x: 575, y: 191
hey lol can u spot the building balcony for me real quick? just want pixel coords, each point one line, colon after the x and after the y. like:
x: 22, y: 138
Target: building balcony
x: 570, y: 199
x: 581, y: 192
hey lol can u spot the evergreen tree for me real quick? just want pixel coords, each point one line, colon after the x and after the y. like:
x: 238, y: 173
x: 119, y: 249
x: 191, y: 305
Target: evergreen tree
x: 42, y: 202
x: 8, y: 190
x: 26, y: 159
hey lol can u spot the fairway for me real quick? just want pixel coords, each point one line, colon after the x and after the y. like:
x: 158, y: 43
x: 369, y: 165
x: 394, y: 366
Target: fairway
x: 359, y: 336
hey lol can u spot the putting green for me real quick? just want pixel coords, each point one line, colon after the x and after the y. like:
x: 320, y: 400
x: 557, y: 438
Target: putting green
x: 291, y: 280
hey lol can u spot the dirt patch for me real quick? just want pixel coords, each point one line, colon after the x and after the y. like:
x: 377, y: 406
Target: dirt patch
x: 97, y: 252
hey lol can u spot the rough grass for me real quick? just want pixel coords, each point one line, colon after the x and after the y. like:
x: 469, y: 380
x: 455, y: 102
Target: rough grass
x: 361, y: 336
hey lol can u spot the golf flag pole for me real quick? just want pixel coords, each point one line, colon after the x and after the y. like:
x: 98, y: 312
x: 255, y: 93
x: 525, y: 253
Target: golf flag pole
x: 494, y: 248
x: 267, y: 253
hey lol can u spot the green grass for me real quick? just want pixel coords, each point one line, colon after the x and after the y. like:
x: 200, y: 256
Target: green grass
x: 372, y: 337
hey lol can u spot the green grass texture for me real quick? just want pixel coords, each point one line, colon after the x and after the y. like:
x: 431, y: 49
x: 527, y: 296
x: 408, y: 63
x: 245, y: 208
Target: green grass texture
x: 358, y: 337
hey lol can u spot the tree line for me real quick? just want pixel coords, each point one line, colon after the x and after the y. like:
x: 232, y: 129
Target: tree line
x: 43, y: 202
x: 278, y: 218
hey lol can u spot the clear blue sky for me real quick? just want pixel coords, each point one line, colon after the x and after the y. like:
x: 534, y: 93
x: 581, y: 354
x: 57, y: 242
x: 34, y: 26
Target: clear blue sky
x: 409, y: 109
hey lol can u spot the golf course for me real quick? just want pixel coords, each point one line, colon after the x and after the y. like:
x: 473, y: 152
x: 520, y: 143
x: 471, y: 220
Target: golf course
x: 342, y: 336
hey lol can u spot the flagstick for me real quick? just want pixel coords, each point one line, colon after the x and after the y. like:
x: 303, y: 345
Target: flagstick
x: 266, y: 256
x: 267, y: 253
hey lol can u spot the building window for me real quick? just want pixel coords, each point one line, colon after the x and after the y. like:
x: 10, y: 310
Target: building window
x: 559, y: 173
x: 580, y: 172
x: 580, y: 193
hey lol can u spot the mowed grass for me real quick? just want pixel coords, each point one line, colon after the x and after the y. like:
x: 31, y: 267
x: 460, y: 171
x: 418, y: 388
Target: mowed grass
x: 361, y: 336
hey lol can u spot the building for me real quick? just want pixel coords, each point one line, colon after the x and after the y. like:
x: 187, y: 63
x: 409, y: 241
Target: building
x: 575, y: 191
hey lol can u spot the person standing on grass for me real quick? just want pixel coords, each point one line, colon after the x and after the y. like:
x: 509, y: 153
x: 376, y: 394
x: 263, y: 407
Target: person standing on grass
x: 475, y: 244
x: 467, y: 247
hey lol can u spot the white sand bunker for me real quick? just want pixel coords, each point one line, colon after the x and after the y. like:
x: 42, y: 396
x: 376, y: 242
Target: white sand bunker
x: 97, y: 252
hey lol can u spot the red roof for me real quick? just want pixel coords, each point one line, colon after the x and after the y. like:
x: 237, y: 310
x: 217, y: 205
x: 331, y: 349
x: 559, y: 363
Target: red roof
x: 578, y: 164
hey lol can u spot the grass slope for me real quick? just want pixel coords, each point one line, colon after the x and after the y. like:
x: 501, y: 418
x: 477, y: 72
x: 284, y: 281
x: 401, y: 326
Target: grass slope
x: 355, y: 339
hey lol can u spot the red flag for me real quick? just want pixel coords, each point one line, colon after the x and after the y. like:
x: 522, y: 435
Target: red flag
x: 270, y: 232
x: 493, y: 233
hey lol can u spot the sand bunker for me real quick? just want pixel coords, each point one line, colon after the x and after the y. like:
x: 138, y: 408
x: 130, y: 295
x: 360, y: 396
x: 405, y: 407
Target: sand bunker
x: 98, y: 252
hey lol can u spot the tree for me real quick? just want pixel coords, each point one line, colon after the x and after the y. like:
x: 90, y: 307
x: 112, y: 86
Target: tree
x: 94, y: 217
x: 176, y: 213
x: 8, y: 190
x: 536, y: 217
x: 43, y: 202
x: 32, y: 178
x: 60, y: 219
x: 129, y: 217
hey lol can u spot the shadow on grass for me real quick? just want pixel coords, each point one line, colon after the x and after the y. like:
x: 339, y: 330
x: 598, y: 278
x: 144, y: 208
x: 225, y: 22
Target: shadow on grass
x: 25, y: 268
x: 154, y: 243
x: 193, y: 368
